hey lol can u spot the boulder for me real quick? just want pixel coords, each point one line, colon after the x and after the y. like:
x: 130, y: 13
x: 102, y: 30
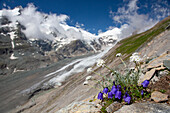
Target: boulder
x: 160, y: 68
x: 154, y: 65
x: 157, y: 62
x: 159, y: 97
x: 146, y: 107
x: 80, y: 107
x: 113, y: 107
x: 155, y: 79
x: 147, y: 76
x: 166, y: 63
x: 25, y: 107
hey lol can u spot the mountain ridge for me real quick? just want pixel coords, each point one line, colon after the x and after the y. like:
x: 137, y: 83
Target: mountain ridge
x: 17, y: 45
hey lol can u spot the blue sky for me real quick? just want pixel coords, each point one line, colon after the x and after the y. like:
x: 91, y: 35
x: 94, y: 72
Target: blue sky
x: 98, y: 15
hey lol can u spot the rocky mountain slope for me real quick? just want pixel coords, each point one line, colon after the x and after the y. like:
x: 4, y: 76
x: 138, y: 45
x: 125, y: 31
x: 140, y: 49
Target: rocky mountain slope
x: 150, y: 44
x: 16, y: 53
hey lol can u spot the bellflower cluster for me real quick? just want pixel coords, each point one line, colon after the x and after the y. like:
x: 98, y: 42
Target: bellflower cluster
x: 116, y: 90
x: 125, y: 87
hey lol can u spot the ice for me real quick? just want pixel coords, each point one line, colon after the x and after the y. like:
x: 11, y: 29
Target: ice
x: 81, y: 65
x: 13, y: 57
x: 12, y: 36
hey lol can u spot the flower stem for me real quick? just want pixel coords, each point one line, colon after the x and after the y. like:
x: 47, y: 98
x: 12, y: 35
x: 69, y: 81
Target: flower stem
x: 122, y: 61
x: 101, y: 75
x: 110, y: 69
x: 94, y: 87
x: 98, y: 74
x: 99, y: 83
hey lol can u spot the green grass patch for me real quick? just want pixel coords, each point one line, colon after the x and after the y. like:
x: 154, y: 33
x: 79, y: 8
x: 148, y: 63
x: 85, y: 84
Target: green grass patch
x: 162, y: 91
x: 131, y: 44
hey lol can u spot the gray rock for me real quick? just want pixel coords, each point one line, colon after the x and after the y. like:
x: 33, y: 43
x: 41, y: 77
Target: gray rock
x: 147, y: 76
x: 160, y: 68
x: 162, y: 73
x: 4, y: 20
x: 166, y: 63
x: 25, y: 107
x: 159, y: 97
x: 154, y: 79
x: 74, y: 48
x: 112, y: 107
x: 145, y: 108
x: 80, y: 107
x: 154, y: 65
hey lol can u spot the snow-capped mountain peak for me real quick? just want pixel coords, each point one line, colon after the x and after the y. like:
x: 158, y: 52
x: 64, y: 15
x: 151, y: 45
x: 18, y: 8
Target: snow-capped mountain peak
x: 52, y: 28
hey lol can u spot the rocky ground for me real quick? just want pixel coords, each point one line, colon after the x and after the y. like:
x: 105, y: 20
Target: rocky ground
x: 158, y: 102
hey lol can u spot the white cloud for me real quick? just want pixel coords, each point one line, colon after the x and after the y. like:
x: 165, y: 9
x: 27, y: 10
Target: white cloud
x: 115, y: 32
x: 82, y: 25
x: 132, y: 5
x: 40, y: 25
x: 62, y: 18
x: 4, y: 4
x: 78, y: 25
x: 99, y: 31
x: 131, y: 20
x: 110, y: 28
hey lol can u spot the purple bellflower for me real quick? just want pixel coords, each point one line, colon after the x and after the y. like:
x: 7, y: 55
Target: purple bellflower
x: 118, y: 94
x: 105, y: 90
x: 100, y: 96
x: 114, y: 90
x: 126, y: 94
x: 127, y: 99
x: 142, y: 92
x: 145, y: 83
x: 113, y: 82
x: 110, y: 95
x: 118, y: 86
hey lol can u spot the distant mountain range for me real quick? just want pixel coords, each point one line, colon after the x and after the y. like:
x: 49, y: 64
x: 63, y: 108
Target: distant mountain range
x: 25, y: 46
